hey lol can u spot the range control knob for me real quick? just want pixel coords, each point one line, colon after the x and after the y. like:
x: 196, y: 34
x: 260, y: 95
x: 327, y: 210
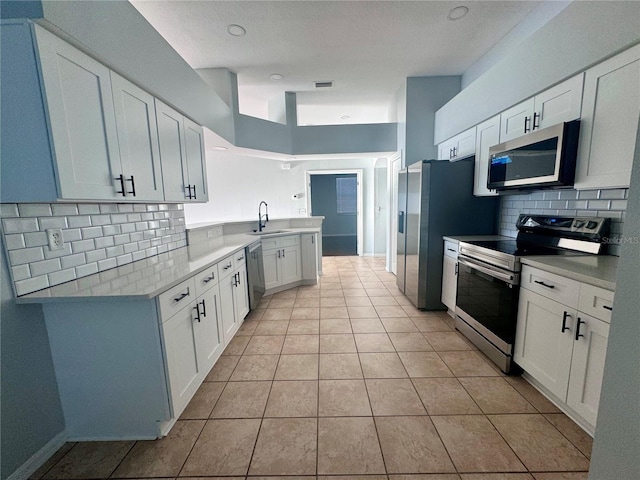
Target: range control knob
x: 578, y: 224
x: 591, y: 225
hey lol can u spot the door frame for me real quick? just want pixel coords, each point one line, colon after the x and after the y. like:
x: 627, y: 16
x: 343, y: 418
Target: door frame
x: 359, y: 215
x: 392, y: 182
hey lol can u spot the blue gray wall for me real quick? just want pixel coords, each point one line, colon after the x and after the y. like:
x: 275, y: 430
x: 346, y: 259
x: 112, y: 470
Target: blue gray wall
x: 31, y: 410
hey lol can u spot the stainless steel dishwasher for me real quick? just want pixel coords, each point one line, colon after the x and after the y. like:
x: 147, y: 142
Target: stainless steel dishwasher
x: 255, y: 272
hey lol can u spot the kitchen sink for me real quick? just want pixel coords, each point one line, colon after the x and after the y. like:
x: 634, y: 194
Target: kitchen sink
x: 268, y: 232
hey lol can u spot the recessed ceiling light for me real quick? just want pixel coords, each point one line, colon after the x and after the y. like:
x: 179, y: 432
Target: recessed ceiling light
x: 276, y: 76
x: 345, y: 117
x: 236, y: 30
x: 219, y: 147
x: 458, y: 12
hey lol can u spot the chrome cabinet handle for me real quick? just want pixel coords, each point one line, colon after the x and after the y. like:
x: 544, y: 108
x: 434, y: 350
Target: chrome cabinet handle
x: 544, y: 284
x: 209, y: 278
x: 564, y: 322
x: 182, y: 296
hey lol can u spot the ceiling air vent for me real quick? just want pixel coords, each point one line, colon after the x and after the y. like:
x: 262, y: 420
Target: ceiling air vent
x: 328, y: 84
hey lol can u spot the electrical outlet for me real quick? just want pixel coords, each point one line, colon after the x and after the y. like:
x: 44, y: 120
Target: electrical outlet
x: 219, y: 231
x: 209, y: 233
x: 54, y: 237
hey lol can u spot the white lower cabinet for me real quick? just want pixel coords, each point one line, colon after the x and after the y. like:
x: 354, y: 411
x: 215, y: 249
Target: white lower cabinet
x: 309, y: 254
x: 450, y: 275
x: 562, y: 348
x: 282, y: 260
x: 234, y: 294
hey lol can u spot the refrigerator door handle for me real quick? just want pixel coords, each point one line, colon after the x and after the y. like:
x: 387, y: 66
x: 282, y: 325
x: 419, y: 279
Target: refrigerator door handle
x: 400, y: 222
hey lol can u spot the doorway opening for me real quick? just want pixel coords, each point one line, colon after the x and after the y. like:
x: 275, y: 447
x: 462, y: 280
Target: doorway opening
x: 337, y: 196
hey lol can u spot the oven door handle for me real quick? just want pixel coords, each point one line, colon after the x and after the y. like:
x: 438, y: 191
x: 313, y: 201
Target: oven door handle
x: 510, y: 278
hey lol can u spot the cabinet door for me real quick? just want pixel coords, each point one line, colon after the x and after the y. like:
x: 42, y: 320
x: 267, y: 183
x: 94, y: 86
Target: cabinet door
x: 182, y: 360
x: 290, y: 265
x: 587, y: 367
x: 558, y: 104
x: 82, y: 121
x: 449, y: 282
x: 609, y: 122
x: 138, y: 140
x: 487, y: 135
x: 209, y: 338
x: 512, y: 121
x: 270, y: 261
x: 541, y: 348
x: 227, y: 308
x: 465, y: 144
x: 309, y: 253
x: 196, y: 164
x: 241, y: 295
x: 445, y: 150
x: 172, y: 153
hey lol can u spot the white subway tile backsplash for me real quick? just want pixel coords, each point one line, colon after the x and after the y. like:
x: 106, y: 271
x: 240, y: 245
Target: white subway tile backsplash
x: 14, y: 241
x: 64, y: 209
x: 152, y: 208
x: 20, y: 272
x: 614, y: 194
x: 100, y: 220
x: 124, y: 259
x: 146, y: 216
x: 127, y: 227
x: 19, y: 225
x: 119, y: 218
x: 8, y: 210
x: 111, y: 229
x: 31, y: 285
x: 125, y: 207
x: 104, y: 242
x: 73, y: 260
x: 34, y: 209
x: 26, y: 255
x: 107, y: 264
x: 115, y: 251
x: 79, y: 221
x: 62, y: 276
x: 139, y: 255
x: 599, y: 204
x: 88, y: 208
x: 71, y: 235
x: 52, y: 222
x: 44, y: 267
x: 91, y: 232
x: 65, y: 250
x: 134, y: 217
x: 96, y: 255
x: 83, y: 245
x: 618, y: 204
x: 588, y: 194
x: 108, y: 208
x: 87, y: 269
x: 122, y: 239
x: 137, y: 236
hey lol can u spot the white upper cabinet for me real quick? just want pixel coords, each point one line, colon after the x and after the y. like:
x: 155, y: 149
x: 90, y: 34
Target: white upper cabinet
x: 182, y: 156
x: 487, y: 135
x: 461, y: 146
x: 77, y: 92
x: 138, y: 140
x: 609, y: 122
x: 558, y: 104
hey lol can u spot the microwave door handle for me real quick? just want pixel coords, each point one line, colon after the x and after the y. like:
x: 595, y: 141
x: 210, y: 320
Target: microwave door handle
x: 506, y: 277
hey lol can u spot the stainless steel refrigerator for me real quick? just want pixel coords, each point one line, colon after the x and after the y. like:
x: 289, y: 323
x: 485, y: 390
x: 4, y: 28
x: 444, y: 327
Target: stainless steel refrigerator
x: 435, y: 198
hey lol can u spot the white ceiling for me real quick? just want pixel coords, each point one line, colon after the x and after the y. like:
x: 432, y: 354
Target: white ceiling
x: 367, y: 48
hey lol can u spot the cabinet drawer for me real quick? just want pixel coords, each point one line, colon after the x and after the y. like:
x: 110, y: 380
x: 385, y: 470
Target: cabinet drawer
x: 175, y: 299
x: 225, y: 266
x: 555, y: 287
x: 280, y: 242
x: 450, y: 249
x: 206, y: 279
x: 596, y: 301
x: 239, y: 259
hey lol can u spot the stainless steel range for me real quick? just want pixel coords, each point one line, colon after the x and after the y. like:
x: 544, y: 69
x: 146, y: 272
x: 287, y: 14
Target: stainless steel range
x: 489, y: 276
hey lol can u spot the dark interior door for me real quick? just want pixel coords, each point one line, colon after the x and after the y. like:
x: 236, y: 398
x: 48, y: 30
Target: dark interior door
x: 334, y: 196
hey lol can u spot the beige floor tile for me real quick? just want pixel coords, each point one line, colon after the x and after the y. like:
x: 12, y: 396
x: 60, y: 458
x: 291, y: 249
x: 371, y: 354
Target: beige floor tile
x: 297, y: 367
x: 343, y: 398
x: 237, y: 345
x: 332, y: 302
x: 92, y: 460
x: 331, y: 293
x: 337, y: 343
x: 335, y: 325
x: 282, y: 302
x: 495, y: 395
x: 223, y: 368
x: 371, y: 282
x: 533, y: 396
x: 362, y: 312
x: 223, y: 448
x: 330, y: 283
x: 305, y: 313
x: 414, y: 312
x: 467, y: 364
x: 353, y: 477
x: 576, y: 435
x: 446, y: 341
x: 538, y: 444
x: 384, y: 301
x: 358, y: 302
x: 398, y: 325
x: 348, y: 446
x: 163, y: 457
x: 52, y: 460
x: 409, y: 342
x: 373, y: 342
x: 272, y: 327
x: 411, y: 444
x: 424, y: 364
x: 255, y: 367
x: 445, y: 396
x: 242, y: 400
x: 435, y: 324
x: 309, y: 293
x: 399, y: 296
x: 203, y: 401
x: 474, y: 444
x: 285, y: 446
x: 307, y: 302
x: 290, y: 293
x: 496, y: 476
x: 391, y: 311
x: 247, y: 327
x: 394, y: 397
x: 333, y: 312
x: 382, y: 365
x: 294, y: 344
x: 303, y: 327
x: 367, y: 325
x: 355, y: 292
x: 277, y: 314
x: 265, y: 345
x: 562, y: 476
x: 258, y: 313
x: 377, y: 292
x: 340, y: 366
x: 293, y: 399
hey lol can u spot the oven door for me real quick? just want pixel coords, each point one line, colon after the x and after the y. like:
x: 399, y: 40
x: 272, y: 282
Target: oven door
x: 487, y: 300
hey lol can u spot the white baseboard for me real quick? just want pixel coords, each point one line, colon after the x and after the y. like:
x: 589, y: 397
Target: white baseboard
x: 37, y: 459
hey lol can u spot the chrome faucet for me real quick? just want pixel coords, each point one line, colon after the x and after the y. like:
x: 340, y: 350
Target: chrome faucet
x: 260, y: 215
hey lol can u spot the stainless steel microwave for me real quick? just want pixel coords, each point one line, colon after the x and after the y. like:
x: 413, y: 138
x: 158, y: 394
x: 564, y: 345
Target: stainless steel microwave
x: 542, y: 159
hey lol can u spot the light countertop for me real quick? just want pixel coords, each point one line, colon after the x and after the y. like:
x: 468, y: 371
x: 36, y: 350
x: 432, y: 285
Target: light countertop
x: 152, y: 276
x: 598, y: 270
x: 472, y: 238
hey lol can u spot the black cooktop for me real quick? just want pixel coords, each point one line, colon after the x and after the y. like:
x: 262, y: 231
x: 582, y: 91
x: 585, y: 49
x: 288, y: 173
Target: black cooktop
x: 520, y: 249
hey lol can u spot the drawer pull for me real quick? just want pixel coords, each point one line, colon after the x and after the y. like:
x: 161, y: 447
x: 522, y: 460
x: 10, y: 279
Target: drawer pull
x: 544, y: 284
x: 451, y: 250
x: 578, y: 334
x: 209, y: 278
x: 564, y: 322
x: 227, y: 266
x: 182, y: 296
x: 240, y: 258
x: 607, y: 307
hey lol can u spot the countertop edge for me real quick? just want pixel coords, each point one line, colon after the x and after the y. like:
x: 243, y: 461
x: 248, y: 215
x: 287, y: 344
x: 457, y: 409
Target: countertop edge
x: 540, y: 263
